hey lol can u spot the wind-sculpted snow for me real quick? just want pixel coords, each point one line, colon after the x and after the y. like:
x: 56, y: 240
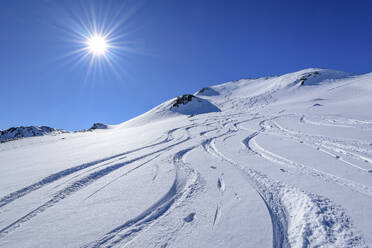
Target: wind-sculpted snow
x: 277, y: 162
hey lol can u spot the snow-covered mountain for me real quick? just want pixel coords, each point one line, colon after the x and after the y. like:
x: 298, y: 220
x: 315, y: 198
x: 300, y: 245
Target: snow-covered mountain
x: 14, y: 133
x: 22, y: 132
x: 270, y: 162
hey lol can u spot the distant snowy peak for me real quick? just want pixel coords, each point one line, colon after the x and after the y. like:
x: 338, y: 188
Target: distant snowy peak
x: 22, y: 132
x: 192, y: 105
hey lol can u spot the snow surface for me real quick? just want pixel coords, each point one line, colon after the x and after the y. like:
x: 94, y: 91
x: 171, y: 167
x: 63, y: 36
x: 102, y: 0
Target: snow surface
x: 285, y: 162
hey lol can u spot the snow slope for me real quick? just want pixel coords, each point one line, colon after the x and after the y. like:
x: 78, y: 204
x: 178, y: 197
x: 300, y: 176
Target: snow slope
x: 271, y: 162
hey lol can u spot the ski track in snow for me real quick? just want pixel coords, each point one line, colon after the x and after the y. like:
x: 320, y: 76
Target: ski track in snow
x: 183, y: 184
x: 50, y: 179
x: 76, y: 186
x: 251, y: 144
x: 329, y: 146
x: 321, y: 222
x: 59, y: 175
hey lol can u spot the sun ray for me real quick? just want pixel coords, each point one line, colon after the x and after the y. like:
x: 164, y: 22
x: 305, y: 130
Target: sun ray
x: 100, y: 36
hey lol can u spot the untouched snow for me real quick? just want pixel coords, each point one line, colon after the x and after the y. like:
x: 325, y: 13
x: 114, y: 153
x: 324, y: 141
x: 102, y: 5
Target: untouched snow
x: 271, y: 162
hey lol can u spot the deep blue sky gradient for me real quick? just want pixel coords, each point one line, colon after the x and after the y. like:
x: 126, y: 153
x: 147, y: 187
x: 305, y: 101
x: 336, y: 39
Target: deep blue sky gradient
x: 176, y: 47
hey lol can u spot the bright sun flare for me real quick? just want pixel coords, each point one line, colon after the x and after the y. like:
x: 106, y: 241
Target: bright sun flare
x: 100, y: 37
x: 97, y: 45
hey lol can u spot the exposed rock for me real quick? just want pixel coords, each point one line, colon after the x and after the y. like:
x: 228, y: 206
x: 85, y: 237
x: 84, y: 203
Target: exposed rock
x: 184, y: 99
x: 98, y: 125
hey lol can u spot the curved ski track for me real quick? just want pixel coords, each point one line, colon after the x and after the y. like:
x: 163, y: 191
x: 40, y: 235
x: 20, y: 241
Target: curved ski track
x: 82, y: 182
x: 251, y: 144
x: 183, y: 184
x: 329, y: 223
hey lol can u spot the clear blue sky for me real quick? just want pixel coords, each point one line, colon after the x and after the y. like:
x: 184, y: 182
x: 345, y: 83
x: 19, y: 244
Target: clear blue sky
x: 175, y: 47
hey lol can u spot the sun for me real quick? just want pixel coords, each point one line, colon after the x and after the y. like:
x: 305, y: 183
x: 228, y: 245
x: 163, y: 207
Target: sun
x: 97, y: 45
x: 100, y: 38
